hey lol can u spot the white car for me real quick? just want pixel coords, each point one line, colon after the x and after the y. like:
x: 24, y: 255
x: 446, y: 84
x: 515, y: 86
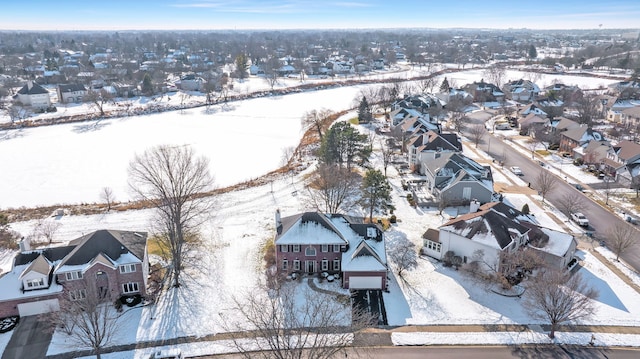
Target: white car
x: 580, y: 219
x: 517, y: 171
x: 167, y: 354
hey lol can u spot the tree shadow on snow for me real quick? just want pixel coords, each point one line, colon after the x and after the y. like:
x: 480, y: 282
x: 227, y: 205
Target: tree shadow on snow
x: 91, y: 126
x: 606, y: 294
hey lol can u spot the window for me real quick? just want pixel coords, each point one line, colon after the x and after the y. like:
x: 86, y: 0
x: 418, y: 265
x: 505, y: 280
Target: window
x: 325, y: 248
x: 285, y: 264
x: 284, y: 248
x: 466, y: 193
x: 127, y: 268
x: 130, y: 287
x: 296, y: 265
x: 310, y: 251
x: 325, y: 265
x: 296, y: 248
x: 336, y: 264
x: 336, y: 248
x: 35, y: 283
x: 74, y: 275
x: 78, y: 294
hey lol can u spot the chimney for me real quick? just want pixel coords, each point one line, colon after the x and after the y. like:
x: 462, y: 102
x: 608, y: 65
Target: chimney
x: 25, y: 244
x: 278, y: 221
x: 474, y: 205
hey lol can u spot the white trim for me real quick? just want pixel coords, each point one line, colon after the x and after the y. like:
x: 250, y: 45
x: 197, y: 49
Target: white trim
x: 131, y: 287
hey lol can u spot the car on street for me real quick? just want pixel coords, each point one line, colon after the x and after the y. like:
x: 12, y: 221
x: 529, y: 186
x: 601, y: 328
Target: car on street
x: 580, y: 219
x: 517, y: 171
x: 167, y: 354
x: 579, y: 187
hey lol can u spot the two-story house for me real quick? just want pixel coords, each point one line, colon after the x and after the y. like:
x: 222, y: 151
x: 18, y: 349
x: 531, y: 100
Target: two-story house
x: 623, y: 161
x: 34, y: 95
x: 313, y: 243
x: 115, y: 261
x: 431, y: 141
x: 578, y: 136
x: 521, y: 90
x: 71, y: 93
x: 454, y: 178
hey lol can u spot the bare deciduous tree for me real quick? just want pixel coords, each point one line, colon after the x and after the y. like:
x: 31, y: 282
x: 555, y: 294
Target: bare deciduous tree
x: 559, y: 297
x: 571, y: 203
x: 47, y: 228
x: 87, y: 317
x: 495, y: 74
x: 284, y: 324
x: 546, y: 182
x: 334, y: 189
x: 98, y: 98
x: 174, y: 180
x: 476, y: 133
x: 108, y: 197
x: 621, y: 237
x: 387, y: 155
x: 316, y: 119
x: 506, y: 268
x: 403, y: 254
x: 287, y: 155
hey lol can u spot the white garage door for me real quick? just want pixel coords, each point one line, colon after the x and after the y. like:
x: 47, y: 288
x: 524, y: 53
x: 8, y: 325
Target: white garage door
x: 365, y: 282
x: 35, y: 308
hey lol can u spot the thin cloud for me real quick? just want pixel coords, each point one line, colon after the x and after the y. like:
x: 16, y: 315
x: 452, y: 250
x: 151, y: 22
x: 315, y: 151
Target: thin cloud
x: 351, y: 4
x: 275, y: 7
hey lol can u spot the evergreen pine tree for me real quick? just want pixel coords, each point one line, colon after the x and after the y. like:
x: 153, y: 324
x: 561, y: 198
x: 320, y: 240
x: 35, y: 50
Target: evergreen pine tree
x: 364, y: 111
x: 376, y: 193
x: 445, y: 88
x: 147, y: 85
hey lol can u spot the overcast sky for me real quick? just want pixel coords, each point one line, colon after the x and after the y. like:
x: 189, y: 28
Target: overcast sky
x: 314, y: 14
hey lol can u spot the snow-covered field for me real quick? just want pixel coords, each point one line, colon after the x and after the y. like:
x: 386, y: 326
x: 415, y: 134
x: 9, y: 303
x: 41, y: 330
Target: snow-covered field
x: 63, y: 164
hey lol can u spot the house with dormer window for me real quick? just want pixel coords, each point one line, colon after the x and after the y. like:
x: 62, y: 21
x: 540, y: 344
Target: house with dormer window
x: 115, y: 261
x: 313, y: 243
x: 496, y: 228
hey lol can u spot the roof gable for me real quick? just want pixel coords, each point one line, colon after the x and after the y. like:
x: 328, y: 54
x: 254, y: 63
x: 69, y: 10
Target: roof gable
x: 40, y: 265
x: 309, y: 228
x: 111, y: 243
x: 489, y: 227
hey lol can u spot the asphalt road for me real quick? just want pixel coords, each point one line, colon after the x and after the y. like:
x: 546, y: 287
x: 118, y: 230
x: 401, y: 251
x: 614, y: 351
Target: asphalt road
x: 483, y: 352
x: 600, y: 218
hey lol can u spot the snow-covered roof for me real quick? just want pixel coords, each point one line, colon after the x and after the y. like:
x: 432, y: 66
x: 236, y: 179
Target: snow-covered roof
x: 309, y: 228
x: 558, y: 244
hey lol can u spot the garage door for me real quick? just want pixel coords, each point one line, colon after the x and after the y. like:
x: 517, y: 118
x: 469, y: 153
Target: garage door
x: 365, y: 282
x: 35, y: 308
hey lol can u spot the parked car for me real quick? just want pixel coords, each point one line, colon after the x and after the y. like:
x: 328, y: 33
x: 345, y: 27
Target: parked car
x: 517, y: 171
x: 167, y: 354
x: 579, y: 187
x: 580, y: 219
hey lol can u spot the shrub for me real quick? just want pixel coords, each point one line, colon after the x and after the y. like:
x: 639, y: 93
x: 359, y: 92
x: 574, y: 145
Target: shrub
x: 525, y: 209
x: 393, y: 219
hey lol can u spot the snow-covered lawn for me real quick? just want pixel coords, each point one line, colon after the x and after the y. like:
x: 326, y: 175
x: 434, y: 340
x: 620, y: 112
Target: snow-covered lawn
x: 70, y: 163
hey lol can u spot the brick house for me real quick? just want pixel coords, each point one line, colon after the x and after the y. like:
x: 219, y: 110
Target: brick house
x: 313, y: 243
x: 116, y: 261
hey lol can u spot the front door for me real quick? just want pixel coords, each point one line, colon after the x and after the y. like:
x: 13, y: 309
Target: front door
x: 102, y: 284
x: 311, y: 266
